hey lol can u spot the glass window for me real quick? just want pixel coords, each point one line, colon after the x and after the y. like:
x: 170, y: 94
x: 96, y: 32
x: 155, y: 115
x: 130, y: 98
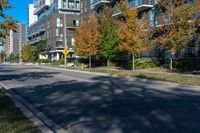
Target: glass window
x: 57, y: 32
x: 71, y: 5
x: 59, y: 22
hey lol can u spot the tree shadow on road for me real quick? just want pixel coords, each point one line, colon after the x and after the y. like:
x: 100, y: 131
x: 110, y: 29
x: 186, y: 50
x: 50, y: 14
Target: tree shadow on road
x: 104, y: 106
x: 26, y: 76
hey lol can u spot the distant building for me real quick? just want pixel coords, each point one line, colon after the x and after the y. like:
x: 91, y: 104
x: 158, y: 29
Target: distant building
x: 14, y: 41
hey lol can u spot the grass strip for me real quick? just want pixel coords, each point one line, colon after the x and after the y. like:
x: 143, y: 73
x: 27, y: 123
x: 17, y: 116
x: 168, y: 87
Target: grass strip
x: 12, y: 119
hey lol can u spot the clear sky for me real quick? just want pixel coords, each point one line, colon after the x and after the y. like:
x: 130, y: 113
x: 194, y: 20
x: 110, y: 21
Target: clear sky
x: 19, y: 12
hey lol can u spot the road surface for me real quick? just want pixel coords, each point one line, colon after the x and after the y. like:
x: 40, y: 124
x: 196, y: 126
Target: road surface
x: 88, y: 103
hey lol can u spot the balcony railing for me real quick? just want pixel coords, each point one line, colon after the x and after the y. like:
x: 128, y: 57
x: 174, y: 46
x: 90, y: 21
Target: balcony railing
x: 116, y: 13
x: 72, y: 26
x: 99, y: 3
x: 141, y: 4
x: 40, y: 8
x: 163, y: 19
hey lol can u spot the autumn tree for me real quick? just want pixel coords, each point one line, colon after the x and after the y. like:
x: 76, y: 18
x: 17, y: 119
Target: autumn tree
x: 197, y: 14
x: 132, y: 32
x: 197, y: 5
x: 7, y: 22
x: 178, y: 31
x: 27, y: 53
x: 87, y: 38
x: 108, y: 35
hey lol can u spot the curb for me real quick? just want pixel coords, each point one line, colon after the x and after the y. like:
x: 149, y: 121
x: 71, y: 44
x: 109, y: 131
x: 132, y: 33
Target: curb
x: 117, y: 76
x: 43, y: 123
x: 87, y: 72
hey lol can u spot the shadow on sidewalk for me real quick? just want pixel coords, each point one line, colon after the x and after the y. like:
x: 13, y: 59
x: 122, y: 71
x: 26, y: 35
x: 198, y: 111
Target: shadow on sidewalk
x: 103, y: 107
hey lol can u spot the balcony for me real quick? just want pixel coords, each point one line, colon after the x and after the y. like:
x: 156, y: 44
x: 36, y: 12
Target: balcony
x: 35, y: 40
x: 141, y: 5
x: 71, y: 26
x: 116, y: 13
x: 161, y: 20
x: 41, y: 6
x: 97, y: 3
x: 70, y: 8
x: 73, y: 5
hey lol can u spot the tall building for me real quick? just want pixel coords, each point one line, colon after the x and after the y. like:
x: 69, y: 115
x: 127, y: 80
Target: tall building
x: 14, y: 41
x: 85, y: 9
x: 31, y: 17
x: 56, y: 23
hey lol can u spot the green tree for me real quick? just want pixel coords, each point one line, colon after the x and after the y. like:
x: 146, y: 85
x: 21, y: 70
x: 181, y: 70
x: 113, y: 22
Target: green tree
x: 40, y: 47
x: 13, y: 58
x: 108, y: 36
x: 28, y: 53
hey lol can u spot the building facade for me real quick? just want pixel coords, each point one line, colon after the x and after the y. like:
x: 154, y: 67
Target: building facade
x: 151, y: 11
x: 31, y: 17
x: 14, y: 41
x: 56, y: 23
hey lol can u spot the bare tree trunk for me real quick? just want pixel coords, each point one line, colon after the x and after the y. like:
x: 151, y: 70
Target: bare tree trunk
x: 65, y: 61
x: 171, y: 64
x: 133, y: 62
x: 108, y: 62
x: 90, y: 62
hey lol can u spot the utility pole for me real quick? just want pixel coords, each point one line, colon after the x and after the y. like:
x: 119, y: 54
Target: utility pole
x: 65, y: 41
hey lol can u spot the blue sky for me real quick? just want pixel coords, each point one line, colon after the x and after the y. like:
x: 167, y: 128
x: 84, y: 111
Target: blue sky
x: 19, y: 12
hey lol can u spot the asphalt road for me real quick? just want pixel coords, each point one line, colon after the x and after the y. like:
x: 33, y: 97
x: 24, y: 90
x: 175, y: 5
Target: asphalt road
x: 87, y: 103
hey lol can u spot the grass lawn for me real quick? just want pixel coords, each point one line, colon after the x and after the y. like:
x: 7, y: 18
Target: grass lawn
x: 174, y: 78
x: 11, y: 118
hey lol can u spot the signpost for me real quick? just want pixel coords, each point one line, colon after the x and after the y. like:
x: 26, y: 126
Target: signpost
x: 65, y: 52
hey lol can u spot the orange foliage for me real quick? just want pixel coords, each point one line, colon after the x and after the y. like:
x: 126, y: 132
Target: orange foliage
x: 87, y: 37
x: 176, y: 34
x: 133, y: 33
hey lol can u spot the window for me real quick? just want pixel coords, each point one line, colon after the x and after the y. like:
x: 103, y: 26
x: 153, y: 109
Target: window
x: 75, y: 23
x: 73, y: 42
x: 59, y: 22
x: 71, y: 5
x: 64, y: 4
x: 57, y: 32
x: 77, y: 5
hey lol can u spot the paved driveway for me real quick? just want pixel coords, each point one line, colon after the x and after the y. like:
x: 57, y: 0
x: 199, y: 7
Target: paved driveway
x: 87, y: 103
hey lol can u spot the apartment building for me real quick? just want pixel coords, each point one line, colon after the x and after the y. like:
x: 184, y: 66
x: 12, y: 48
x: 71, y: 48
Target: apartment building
x: 56, y: 23
x: 85, y: 9
x: 14, y: 41
x: 149, y: 10
x: 31, y: 17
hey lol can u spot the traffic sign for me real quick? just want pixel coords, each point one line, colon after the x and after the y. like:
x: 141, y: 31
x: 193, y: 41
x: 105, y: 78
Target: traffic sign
x: 65, y: 51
